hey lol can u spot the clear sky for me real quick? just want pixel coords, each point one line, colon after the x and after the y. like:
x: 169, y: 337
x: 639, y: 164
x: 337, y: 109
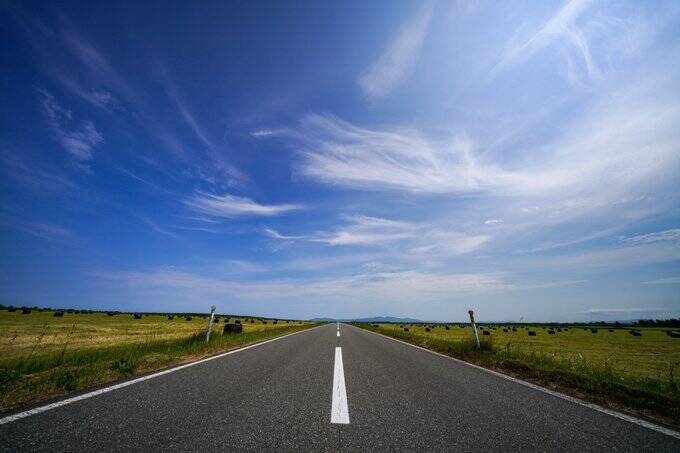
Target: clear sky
x: 342, y: 159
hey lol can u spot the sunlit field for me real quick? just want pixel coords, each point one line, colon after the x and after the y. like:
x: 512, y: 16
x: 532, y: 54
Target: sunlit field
x: 43, y: 355
x: 654, y: 354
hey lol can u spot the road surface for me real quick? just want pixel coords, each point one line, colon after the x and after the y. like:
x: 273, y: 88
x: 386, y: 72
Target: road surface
x: 321, y: 390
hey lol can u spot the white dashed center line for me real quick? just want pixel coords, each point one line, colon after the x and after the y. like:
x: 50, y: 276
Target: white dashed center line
x: 339, y: 411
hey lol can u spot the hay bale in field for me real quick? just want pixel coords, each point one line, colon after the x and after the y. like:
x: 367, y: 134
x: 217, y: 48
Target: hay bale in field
x: 447, y: 327
x: 109, y: 313
x: 427, y: 329
x: 505, y: 330
x: 216, y: 320
x: 673, y: 334
x: 611, y: 330
x: 486, y: 332
x: 405, y: 329
x: 252, y: 321
x: 238, y: 321
x: 187, y: 318
x: 171, y: 317
x: 137, y: 316
x: 275, y: 322
x: 58, y: 314
x: 593, y: 330
x: 635, y: 333
x: 25, y: 311
x: 232, y: 328
x: 551, y: 332
x: 559, y: 330
x: 11, y: 309
x: 532, y: 333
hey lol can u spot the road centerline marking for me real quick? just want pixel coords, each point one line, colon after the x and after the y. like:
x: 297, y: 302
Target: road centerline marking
x: 339, y: 411
x: 338, y: 333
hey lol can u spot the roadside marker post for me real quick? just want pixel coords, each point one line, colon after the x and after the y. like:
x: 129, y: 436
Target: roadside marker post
x: 210, y: 323
x: 474, y: 328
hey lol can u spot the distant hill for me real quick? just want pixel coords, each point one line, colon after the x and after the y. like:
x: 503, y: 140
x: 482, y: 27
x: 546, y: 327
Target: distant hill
x: 373, y: 319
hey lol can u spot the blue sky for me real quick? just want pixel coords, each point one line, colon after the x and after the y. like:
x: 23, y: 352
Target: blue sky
x: 343, y: 159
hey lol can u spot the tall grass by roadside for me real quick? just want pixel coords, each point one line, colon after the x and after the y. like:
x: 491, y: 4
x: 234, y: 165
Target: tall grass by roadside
x: 38, y: 376
x: 656, y: 399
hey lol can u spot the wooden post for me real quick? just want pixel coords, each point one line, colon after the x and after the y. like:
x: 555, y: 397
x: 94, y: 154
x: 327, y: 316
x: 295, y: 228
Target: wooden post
x: 210, y: 323
x: 474, y: 328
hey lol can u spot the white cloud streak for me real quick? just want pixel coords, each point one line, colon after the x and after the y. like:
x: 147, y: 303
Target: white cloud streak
x: 231, y: 206
x: 398, y: 59
x: 78, y: 141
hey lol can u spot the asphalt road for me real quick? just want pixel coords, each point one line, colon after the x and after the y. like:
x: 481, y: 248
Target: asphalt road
x: 279, y: 396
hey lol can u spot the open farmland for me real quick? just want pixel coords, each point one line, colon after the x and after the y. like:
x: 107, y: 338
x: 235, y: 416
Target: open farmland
x: 44, y: 355
x: 638, y: 372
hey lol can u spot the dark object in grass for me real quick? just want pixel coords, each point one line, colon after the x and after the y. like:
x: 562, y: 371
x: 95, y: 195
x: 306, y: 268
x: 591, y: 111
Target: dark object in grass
x: 11, y: 309
x: 532, y: 333
x: 505, y: 330
x: 170, y: 317
x: 405, y: 329
x: 447, y: 327
x: 25, y: 311
x: 551, y: 332
x: 238, y: 321
x: 232, y: 328
x: 137, y: 316
x: 109, y: 313
x: 593, y: 330
x: 611, y: 330
x: 635, y: 334
x: 58, y: 314
x: 559, y: 330
x: 188, y: 318
x: 252, y: 321
x: 486, y: 332
x: 216, y: 320
x: 514, y: 329
x: 672, y: 334
x: 375, y: 325
x: 275, y: 322
x: 427, y: 329
x: 264, y: 322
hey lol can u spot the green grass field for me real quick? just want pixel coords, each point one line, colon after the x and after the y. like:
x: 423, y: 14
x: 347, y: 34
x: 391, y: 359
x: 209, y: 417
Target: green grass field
x: 43, y: 356
x: 635, y: 373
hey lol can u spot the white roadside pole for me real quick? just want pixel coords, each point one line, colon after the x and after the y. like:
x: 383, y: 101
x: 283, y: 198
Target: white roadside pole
x: 210, y: 323
x: 474, y: 328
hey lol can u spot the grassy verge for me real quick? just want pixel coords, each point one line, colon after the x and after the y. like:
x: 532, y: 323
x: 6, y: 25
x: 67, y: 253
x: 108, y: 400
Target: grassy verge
x: 657, y: 400
x: 37, y: 376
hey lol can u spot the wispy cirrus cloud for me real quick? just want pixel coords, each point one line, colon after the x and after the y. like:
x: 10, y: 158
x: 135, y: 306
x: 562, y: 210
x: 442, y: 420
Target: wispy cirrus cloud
x: 672, y: 235
x: 78, y: 140
x: 399, y: 58
x: 231, y: 206
x: 664, y: 281
x: 40, y: 230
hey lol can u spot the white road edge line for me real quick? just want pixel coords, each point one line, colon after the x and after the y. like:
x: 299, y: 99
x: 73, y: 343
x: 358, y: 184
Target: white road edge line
x: 38, y: 410
x: 339, y: 412
x: 338, y: 333
x: 593, y: 406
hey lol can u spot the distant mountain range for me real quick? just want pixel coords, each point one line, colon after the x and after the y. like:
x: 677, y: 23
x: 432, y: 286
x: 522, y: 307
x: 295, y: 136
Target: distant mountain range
x: 373, y: 319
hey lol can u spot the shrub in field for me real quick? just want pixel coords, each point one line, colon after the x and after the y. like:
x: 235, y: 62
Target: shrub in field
x: 275, y: 322
x: 532, y: 333
x: 11, y: 309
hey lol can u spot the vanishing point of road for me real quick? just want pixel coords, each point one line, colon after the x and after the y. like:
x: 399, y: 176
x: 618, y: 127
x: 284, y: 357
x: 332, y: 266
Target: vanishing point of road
x: 330, y: 388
